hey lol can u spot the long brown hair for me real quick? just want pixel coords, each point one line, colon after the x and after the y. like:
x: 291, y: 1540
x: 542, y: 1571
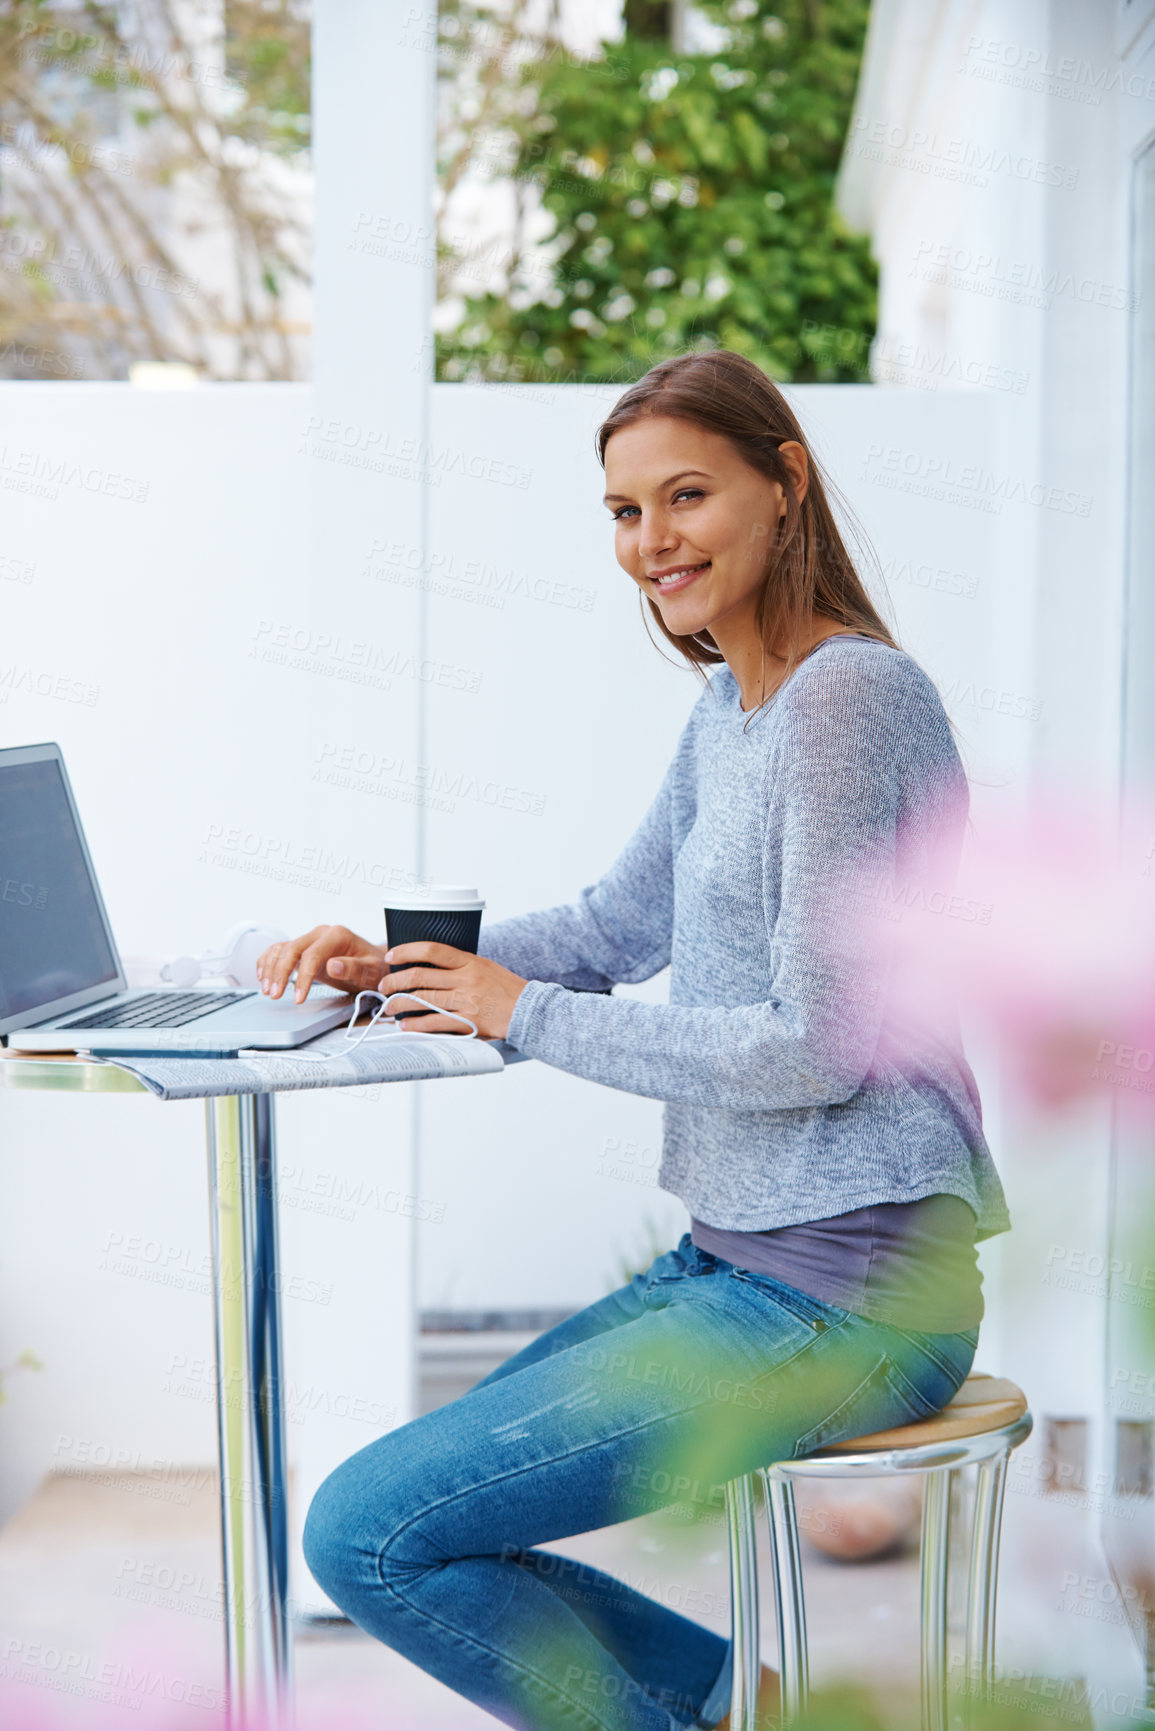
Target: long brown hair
x: 809, y: 572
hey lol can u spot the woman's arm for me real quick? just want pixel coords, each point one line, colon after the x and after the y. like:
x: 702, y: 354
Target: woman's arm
x: 619, y: 929
x: 832, y: 844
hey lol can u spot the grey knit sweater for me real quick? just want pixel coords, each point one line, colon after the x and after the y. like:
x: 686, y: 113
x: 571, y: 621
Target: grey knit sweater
x: 767, y: 874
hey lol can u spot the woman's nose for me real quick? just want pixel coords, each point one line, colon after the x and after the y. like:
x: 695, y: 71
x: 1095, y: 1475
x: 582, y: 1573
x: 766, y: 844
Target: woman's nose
x: 656, y: 536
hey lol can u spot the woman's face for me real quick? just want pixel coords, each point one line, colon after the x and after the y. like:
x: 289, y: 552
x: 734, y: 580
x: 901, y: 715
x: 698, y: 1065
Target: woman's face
x: 693, y: 521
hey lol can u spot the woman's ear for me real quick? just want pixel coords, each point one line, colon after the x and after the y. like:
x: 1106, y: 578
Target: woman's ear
x: 797, y: 467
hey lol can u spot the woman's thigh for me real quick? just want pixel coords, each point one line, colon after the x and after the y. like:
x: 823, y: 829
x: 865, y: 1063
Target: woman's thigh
x: 690, y: 1376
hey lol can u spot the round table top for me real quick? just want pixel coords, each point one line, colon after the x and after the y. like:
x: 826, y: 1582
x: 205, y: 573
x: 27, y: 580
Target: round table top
x: 65, y: 1073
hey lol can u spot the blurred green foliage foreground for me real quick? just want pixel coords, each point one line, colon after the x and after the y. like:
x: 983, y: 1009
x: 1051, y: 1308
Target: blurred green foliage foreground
x: 1018, y: 1703
x: 692, y: 197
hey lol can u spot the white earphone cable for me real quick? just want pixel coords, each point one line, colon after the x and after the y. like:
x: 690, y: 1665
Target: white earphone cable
x: 366, y: 1033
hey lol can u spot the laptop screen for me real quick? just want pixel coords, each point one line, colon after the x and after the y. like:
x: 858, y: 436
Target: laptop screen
x: 53, y: 941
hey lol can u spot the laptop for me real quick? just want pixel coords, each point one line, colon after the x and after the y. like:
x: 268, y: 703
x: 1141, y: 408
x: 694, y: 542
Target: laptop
x: 62, y: 985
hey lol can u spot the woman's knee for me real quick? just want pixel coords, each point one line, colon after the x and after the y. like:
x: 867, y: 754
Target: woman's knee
x: 353, y: 1537
x: 329, y: 1539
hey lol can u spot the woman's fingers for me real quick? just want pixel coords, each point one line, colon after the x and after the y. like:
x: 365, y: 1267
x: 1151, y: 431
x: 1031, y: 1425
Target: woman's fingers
x: 473, y: 986
x: 436, y: 955
x: 277, y: 963
x: 414, y: 979
x: 402, y: 1002
x: 266, y: 963
x: 353, y: 973
x: 310, y: 956
x: 314, y: 959
x: 432, y: 1024
x: 426, y: 1021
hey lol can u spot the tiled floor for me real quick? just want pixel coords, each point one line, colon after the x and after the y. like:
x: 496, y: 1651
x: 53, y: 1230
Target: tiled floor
x: 109, y: 1589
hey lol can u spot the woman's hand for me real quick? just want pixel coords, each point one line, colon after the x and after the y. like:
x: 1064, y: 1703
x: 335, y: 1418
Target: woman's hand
x: 333, y: 954
x: 454, y: 980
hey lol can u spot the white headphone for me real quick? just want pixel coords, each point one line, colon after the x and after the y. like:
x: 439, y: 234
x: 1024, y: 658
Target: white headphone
x: 236, y: 961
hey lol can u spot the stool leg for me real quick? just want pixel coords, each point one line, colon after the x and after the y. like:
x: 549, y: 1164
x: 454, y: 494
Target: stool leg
x: 935, y: 1556
x: 990, y: 1487
x: 744, y: 1629
x: 789, y: 1603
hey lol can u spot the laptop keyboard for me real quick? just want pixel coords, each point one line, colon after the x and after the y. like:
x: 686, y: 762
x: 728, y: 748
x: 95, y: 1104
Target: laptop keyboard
x: 159, y: 1010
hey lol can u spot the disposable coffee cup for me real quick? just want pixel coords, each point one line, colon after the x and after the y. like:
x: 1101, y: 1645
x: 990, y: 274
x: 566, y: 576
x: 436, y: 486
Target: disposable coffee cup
x: 438, y: 914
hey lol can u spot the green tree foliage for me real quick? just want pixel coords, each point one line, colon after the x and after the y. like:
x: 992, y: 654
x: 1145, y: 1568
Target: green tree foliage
x: 692, y: 197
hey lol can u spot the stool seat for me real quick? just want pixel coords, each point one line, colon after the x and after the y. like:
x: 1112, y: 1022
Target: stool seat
x: 983, y: 1403
x: 977, y: 1429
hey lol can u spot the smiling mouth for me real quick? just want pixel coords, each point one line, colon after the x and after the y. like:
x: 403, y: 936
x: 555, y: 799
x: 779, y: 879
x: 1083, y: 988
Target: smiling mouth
x: 680, y: 577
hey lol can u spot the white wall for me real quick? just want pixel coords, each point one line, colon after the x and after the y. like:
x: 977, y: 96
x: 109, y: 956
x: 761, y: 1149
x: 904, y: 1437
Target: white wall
x: 193, y: 768
x: 191, y: 759
x: 201, y: 639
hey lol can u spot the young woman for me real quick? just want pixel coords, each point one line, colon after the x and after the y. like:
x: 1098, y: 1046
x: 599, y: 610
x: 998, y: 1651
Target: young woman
x: 826, y: 1139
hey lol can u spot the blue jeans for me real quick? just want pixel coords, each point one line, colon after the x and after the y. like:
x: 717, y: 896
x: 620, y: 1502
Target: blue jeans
x: 694, y: 1373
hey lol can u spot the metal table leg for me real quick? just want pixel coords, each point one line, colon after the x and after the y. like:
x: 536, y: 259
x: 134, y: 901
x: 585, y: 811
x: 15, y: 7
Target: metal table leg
x: 935, y: 1562
x: 250, y: 1407
x: 982, y: 1585
x: 789, y: 1592
x: 745, y: 1655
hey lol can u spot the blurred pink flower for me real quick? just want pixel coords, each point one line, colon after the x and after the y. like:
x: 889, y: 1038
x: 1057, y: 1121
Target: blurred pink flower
x: 1047, y: 942
x: 152, y: 1680
x: 22, y: 1708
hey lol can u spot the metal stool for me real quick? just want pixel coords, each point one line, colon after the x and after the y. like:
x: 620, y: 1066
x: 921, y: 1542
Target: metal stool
x: 987, y: 1418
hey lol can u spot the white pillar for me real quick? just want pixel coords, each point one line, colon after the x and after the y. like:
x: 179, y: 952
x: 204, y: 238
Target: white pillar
x: 364, y: 457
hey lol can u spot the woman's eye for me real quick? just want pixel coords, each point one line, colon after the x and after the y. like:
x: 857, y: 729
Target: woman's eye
x: 623, y: 511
